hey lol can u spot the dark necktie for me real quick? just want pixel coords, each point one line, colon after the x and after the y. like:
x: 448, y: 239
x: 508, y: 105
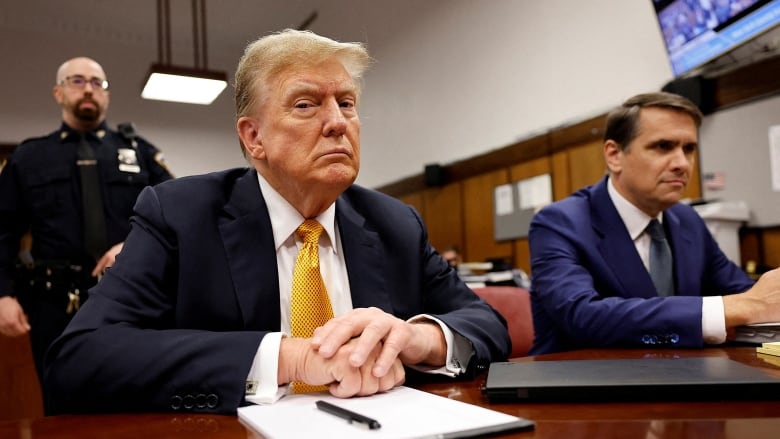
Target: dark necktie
x: 92, y: 200
x: 661, y: 270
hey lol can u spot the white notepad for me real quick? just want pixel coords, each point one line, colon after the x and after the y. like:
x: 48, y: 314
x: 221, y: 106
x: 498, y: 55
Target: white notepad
x: 403, y: 413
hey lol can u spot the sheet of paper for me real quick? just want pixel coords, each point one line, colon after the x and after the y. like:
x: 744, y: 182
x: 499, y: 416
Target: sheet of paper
x: 402, y: 412
x: 774, y: 156
x: 503, y: 199
x: 535, y: 192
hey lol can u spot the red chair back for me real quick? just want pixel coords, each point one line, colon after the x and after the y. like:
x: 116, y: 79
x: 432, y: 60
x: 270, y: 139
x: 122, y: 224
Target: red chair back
x: 514, y: 304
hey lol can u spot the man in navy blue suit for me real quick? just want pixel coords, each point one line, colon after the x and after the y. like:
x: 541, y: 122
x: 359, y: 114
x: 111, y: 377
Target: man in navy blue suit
x: 194, y: 315
x: 591, y: 253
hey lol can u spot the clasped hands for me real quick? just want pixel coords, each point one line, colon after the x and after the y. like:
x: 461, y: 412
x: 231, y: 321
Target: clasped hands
x: 361, y: 353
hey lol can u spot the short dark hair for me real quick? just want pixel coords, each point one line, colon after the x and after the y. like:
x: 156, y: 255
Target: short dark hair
x: 623, y: 121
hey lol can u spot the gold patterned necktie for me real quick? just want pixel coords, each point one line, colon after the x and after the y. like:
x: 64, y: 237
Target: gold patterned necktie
x: 309, y: 304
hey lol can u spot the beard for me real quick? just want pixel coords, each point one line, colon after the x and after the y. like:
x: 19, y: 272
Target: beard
x: 87, y: 114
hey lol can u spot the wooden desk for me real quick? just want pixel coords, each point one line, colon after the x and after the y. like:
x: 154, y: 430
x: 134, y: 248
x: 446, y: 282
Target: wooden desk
x: 710, y: 420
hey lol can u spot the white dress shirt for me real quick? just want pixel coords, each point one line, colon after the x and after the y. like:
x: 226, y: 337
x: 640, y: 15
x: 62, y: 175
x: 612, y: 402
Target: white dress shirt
x: 262, y: 378
x: 713, y: 318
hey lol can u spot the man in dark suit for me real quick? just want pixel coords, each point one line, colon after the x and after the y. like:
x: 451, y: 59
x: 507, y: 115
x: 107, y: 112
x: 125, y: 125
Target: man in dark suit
x: 195, y: 314
x: 592, y: 257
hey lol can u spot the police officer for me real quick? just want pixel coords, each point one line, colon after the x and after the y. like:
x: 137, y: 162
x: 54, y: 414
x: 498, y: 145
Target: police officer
x: 49, y: 187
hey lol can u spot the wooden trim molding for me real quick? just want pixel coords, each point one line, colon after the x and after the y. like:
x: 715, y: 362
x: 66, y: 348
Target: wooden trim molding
x: 580, y: 133
x: 753, y: 81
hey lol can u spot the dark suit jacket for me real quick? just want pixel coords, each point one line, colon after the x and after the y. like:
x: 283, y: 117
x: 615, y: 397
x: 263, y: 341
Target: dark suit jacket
x: 589, y: 287
x: 176, y: 323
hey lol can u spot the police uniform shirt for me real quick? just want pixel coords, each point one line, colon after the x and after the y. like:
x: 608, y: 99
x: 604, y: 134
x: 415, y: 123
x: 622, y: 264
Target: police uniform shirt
x: 40, y: 190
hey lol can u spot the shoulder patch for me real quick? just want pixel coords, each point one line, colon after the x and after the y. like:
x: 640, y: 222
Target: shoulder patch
x: 159, y: 158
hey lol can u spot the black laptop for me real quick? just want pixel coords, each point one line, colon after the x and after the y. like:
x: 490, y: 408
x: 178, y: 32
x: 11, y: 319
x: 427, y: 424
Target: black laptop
x: 662, y: 379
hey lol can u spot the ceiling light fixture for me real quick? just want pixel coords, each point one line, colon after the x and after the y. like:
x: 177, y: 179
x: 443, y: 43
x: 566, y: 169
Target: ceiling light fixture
x: 166, y: 82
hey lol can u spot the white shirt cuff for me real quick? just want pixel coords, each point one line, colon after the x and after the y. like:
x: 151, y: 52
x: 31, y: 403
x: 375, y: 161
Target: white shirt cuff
x: 459, y: 351
x: 713, y: 320
x: 261, y: 382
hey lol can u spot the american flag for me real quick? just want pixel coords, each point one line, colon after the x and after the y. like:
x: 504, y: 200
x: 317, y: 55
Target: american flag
x: 715, y: 180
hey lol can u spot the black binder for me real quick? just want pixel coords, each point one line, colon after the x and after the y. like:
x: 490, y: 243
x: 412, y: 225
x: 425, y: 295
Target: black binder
x: 660, y: 379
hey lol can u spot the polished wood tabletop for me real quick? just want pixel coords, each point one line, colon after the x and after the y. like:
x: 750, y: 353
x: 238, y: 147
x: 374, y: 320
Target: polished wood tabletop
x: 647, y: 420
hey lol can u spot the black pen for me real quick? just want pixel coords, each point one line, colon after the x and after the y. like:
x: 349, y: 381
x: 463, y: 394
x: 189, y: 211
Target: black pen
x: 351, y: 417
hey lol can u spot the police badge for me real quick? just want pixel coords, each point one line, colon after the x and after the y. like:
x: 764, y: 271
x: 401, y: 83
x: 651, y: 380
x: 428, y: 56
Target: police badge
x: 128, y: 160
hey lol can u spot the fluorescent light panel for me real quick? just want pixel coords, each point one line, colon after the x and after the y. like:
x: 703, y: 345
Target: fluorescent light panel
x: 176, y: 84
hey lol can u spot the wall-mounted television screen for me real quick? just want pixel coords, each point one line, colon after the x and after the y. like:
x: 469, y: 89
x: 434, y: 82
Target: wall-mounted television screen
x: 697, y: 31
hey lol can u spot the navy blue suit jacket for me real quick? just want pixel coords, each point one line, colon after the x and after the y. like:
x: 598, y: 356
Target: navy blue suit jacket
x: 196, y: 288
x: 589, y: 287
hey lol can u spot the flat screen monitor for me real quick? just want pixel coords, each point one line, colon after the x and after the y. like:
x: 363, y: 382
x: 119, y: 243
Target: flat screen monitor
x: 697, y: 31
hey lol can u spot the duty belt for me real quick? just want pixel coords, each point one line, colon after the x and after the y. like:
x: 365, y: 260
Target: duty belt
x: 54, y: 280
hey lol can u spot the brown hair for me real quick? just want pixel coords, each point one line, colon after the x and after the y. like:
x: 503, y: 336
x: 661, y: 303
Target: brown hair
x: 623, y: 121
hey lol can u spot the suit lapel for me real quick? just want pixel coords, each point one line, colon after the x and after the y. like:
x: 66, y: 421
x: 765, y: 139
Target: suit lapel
x: 616, y: 246
x: 678, y: 241
x: 364, y: 256
x: 249, y: 247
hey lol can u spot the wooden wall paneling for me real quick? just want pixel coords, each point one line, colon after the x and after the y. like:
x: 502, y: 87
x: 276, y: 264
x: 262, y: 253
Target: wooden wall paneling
x: 693, y: 191
x: 519, y: 172
x: 529, y: 169
x: 571, y: 144
x: 580, y: 133
x: 561, y: 179
x: 586, y: 164
x: 479, y: 236
x: 20, y: 392
x: 444, y: 216
x: 750, y: 247
x: 771, y: 247
x: 490, y: 161
x: 522, y: 253
x: 416, y: 201
x: 404, y: 186
x: 749, y: 82
x: 522, y: 151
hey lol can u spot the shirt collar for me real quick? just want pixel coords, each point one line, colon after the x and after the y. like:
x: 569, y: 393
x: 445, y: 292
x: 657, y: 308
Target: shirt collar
x: 68, y: 133
x: 286, y: 219
x: 635, y: 220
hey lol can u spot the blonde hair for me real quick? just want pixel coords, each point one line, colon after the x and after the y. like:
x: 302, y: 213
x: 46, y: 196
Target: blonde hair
x: 275, y: 53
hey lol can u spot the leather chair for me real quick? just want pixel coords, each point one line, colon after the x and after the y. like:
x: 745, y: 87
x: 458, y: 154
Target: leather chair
x: 514, y: 304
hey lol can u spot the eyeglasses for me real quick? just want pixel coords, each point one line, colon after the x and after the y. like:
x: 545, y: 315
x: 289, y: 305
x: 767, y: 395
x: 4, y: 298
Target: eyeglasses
x: 78, y: 81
